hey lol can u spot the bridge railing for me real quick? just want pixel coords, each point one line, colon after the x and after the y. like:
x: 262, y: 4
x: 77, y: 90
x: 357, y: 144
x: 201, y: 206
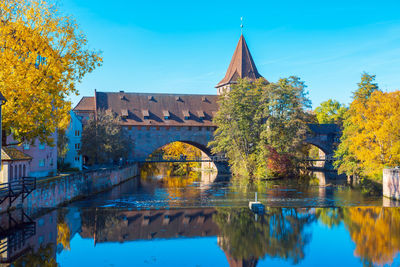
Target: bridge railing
x: 183, y: 158
x: 326, y: 158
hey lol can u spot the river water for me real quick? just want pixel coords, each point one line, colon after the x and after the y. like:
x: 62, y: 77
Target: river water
x: 197, y: 221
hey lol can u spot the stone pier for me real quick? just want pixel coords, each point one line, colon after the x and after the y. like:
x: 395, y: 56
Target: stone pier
x: 391, y: 183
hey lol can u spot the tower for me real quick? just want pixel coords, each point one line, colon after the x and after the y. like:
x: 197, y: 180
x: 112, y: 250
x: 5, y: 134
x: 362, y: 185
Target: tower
x: 241, y: 66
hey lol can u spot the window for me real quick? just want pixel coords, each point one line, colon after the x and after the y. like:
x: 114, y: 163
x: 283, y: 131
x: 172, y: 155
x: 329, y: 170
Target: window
x: 11, y: 173
x: 15, y: 172
x: 24, y: 171
x: 77, y: 158
x: 129, y: 128
x: 26, y: 146
x: 208, y: 128
x: 77, y: 133
x: 166, y: 114
x: 189, y: 128
x: 20, y: 170
x: 41, y: 163
x: 199, y: 128
x: 41, y: 146
x: 77, y: 146
x: 167, y: 128
x: 139, y: 128
x: 157, y: 128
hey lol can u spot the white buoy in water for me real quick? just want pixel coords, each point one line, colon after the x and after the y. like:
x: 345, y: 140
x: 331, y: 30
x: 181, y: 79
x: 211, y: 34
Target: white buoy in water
x: 256, y: 206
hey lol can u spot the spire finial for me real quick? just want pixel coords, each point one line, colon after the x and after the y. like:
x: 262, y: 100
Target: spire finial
x: 241, y: 25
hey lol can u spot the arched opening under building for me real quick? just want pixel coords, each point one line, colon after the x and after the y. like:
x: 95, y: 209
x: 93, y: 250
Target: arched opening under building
x: 180, y: 164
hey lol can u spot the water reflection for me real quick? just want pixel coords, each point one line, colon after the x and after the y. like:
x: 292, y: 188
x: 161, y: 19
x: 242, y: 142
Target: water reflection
x: 286, y: 235
x: 246, y: 238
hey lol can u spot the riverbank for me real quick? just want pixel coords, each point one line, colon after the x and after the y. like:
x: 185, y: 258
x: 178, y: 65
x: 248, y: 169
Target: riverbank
x: 50, y: 193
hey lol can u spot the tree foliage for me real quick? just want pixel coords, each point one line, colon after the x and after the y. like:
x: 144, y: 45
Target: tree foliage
x: 330, y: 111
x: 255, y: 117
x: 42, y: 57
x: 104, y: 140
x: 370, y: 138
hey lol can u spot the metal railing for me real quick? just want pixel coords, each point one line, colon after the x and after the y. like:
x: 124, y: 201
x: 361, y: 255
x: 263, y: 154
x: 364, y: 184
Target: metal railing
x: 187, y: 159
x: 20, y: 187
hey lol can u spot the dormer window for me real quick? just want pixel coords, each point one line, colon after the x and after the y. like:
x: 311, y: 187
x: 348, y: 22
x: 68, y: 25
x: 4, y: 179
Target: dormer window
x: 204, y: 99
x: 166, y: 114
x: 124, y: 113
x: 186, y: 114
x: 201, y: 114
x: 151, y: 98
x: 178, y: 98
x: 146, y: 114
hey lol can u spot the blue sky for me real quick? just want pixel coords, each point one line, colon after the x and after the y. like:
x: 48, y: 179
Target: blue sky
x: 186, y: 46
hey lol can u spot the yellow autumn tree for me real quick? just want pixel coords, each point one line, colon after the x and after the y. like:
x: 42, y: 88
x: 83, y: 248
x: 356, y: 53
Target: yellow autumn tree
x: 376, y: 144
x: 180, y: 150
x: 42, y: 57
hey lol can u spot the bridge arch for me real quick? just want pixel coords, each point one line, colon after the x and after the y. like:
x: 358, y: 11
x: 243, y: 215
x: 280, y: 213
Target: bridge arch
x: 148, y: 140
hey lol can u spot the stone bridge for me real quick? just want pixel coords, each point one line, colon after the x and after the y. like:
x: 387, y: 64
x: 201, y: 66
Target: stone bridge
x: 323, y: 136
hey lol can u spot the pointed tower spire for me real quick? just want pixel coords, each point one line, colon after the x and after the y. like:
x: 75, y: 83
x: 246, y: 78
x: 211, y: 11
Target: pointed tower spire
x: 241, y: 66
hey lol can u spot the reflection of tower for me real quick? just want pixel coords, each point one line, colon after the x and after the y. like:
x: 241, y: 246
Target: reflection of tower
x: 251, y: 262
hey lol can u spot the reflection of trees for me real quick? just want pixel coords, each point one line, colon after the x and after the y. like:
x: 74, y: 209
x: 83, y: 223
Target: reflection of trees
x: 42, y: 257
x: 329, y: 217
x: 374, y: 230
x: 278, y: 233
x: 176, y: 186
x: 63, y: 231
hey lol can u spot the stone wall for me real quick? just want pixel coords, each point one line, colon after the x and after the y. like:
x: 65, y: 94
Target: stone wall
x: 149, y: 139
x: 391, y: 183
x: 57, y: 191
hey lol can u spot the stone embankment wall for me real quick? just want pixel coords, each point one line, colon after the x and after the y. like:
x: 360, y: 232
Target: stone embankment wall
x: 57, y: 191
x: 391, y: 183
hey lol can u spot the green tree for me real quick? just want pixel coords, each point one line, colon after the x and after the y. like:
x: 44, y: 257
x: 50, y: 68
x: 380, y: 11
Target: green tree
x: 331, y: 111
x: 256, y: 119
x: 104, y: 140
x: 346, y: 160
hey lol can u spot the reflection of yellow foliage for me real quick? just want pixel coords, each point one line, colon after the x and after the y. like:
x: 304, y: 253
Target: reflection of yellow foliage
x: 176, y: 185
x: 63, y: 235
x: 376, y: 232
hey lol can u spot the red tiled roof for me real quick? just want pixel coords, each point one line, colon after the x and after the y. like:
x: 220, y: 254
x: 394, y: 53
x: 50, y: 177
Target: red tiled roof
x: 156, y: 106
x: 241, y: 66
x: 86, y: 104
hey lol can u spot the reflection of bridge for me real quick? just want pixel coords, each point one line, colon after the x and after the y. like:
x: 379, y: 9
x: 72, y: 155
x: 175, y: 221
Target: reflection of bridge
x: 145, y: 225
